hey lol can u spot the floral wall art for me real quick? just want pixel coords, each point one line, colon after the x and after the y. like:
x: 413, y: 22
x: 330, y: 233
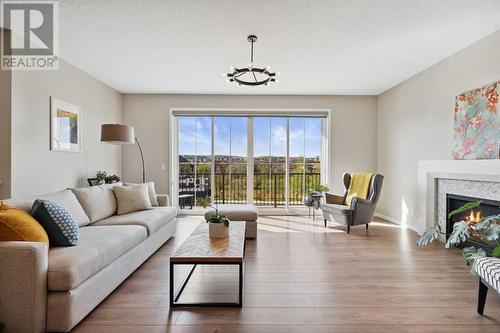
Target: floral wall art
x: 477, y: 124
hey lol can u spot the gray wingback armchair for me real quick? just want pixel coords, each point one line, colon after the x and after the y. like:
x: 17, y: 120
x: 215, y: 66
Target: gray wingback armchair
x: 359, y: 212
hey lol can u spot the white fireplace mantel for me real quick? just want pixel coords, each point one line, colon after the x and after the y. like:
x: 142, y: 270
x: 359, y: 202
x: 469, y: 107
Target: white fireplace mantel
x: 430, y: 171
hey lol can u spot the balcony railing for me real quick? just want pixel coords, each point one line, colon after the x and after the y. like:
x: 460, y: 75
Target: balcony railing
x: 269, y: 189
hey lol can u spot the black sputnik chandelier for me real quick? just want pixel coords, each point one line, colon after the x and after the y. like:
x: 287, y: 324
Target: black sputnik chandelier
x: 251, y: 75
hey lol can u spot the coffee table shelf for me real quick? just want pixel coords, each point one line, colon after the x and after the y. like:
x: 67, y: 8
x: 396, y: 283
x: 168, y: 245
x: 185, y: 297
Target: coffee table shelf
x: 200, y: 249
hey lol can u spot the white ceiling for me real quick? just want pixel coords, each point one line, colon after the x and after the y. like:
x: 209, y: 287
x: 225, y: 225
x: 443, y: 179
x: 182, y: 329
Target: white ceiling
x: 321, y: 47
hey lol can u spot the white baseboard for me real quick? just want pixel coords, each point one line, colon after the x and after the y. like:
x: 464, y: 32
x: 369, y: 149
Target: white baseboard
x: 396, y: 221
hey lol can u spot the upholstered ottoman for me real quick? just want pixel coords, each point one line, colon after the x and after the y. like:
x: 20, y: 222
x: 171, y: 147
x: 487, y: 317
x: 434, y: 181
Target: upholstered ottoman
x: 488, y: 272
x: 247, y: 213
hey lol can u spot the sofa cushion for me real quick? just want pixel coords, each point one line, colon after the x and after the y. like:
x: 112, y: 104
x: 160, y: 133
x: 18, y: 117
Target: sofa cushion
x: 338, y: 209
x: 152, y: 219
x: 235, y: 212
x: 57, y: 222
x: 98, y: 247
x: 64, y: 198
x: 18, y: 225
x: 98, y: 201
x: 132, y: 198
x: 151, y: 191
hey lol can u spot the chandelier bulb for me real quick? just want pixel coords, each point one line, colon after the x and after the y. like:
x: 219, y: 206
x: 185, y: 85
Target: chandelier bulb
x: 279, y: 73
x: 231, y: 68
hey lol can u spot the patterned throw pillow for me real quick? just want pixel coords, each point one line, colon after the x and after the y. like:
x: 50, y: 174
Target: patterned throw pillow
x: 61, y: 228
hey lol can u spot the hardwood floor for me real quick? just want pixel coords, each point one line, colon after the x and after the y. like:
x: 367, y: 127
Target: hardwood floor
x: 302, y: 277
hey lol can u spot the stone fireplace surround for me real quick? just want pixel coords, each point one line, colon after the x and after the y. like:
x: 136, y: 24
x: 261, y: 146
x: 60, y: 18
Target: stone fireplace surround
x: 474, y: 178
x: 470, y: 188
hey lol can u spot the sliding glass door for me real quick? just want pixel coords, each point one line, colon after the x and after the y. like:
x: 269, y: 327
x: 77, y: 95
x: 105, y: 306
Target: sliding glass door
x: 304, y: 168
x: 267, y: 161
x: 195, y: 159
x: 270, y: 159
x: 230, y: 159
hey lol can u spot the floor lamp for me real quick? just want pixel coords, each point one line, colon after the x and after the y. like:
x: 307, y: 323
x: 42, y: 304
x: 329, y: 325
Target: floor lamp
x: 122, y: 135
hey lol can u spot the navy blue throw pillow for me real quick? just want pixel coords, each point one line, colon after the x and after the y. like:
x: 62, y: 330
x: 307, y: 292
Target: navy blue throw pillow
x: 61, y: 228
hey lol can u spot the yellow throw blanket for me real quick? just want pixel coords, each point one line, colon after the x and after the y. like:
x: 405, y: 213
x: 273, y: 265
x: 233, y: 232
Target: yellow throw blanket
x: 359, y: 186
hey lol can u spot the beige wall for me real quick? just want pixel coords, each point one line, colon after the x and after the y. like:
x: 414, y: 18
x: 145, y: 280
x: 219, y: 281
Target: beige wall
x: 5, y: 114
x: 36, y: 169
x: 415, y: 121
x: 353, y: 123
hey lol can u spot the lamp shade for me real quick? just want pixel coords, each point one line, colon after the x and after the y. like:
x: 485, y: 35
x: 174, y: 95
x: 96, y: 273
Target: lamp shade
x: 117, y: 134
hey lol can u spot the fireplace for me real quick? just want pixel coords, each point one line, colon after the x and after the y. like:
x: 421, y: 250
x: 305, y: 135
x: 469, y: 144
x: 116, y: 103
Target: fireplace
x: 453, y: 201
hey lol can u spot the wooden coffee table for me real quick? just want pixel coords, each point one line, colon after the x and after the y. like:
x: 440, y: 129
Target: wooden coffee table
x: 199, y: 249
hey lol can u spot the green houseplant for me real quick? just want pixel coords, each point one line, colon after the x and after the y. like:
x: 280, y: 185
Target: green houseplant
x: 103, y: 178
x: 319, y: 188
x: 218, y: 225
x: 203, y: 202
x: 485, y: 233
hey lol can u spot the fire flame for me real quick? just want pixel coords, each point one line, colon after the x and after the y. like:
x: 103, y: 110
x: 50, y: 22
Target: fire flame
x: 474, y: 216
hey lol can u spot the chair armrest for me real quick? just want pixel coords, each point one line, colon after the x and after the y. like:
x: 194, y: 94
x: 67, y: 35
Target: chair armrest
x: 359, y: 201
x: 363, y: 210
x: 163, y: 200
x: 23, y: 286
x: 331, y: 198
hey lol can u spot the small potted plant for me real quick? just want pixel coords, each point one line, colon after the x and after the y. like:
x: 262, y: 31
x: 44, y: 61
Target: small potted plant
x: 203, y: 202
x: 112, y: 179
x: 319, y: 188
x: 312, y: 199
x: 218, y: 225
x: 101, y: 177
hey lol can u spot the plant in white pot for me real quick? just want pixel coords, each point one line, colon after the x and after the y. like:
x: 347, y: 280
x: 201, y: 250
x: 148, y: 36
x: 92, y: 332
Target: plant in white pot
x: 218, y: 225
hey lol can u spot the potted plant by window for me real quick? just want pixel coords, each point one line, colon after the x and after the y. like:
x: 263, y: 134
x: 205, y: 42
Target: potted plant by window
x: 218, y: 225
x: 313, y: 198
x: 203, y: 202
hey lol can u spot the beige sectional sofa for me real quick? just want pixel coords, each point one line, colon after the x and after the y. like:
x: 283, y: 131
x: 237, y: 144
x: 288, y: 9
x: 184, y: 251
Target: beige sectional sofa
x: 52, y: 289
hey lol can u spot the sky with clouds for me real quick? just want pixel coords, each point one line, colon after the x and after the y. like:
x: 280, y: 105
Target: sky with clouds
x: 231, y: 136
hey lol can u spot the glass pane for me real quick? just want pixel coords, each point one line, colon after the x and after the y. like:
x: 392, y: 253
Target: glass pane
x: 313, y: 137
x: 262, y: 165
x: 187, y: 155
x: 297, y: 142
x: 279, y: 127
x: 230, y: 159
x: 261, y: 139
x: 222, y: 144
x: 313, y: 152
x: 239, y: 139
x: 194, y: 159
x: 296, y: 161
x: 278, y: 138
x: 204, y: 139
x: 238, y: 181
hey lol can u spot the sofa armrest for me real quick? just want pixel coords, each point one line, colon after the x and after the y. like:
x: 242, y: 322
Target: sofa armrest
x: 163, y: 200
x: 331, y: 198
x: 23, y: 286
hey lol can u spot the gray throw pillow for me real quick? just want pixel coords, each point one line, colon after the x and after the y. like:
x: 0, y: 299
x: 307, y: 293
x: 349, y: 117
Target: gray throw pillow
x: 132, y: 198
